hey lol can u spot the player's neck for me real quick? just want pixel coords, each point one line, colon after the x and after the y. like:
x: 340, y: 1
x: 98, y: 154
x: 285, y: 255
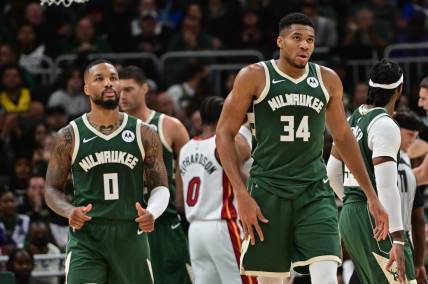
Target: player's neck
x: 100, y: 116
x: 208, y: 130
x: 143, y: 112
x: 290, y: 70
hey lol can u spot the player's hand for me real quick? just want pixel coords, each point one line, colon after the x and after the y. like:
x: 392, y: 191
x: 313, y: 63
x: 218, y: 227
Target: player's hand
x: 145, y: 219
x: 397, y: 255
x: 78, y: 217
x: 421, y: 275
x: 250, y: 215
x: 381, y: 219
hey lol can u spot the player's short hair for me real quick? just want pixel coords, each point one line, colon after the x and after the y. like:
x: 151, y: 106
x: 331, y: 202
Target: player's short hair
x: 424, y: 83
x: 409, y: 120
x: 133, y: 72
x: 211, y: 109
x: 94, y: 63
x: 383, y: 72
x: 295, y: 18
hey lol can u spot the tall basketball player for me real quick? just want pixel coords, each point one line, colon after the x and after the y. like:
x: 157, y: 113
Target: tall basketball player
x: 108, y: 153
x: 291, y: 99
x: 210, y: 205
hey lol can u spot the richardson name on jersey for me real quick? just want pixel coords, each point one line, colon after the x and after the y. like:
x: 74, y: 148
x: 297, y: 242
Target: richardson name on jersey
x: 295, y: 100
x: 106, y: 157
x: 200, y: 159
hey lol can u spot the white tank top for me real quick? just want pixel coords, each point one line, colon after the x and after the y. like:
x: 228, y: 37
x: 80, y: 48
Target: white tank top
x: 207, y: 192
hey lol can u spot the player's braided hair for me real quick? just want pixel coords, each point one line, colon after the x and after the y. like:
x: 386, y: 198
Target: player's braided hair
x: 295, y: 18
x: 211, y: 109
x: 383, y: 72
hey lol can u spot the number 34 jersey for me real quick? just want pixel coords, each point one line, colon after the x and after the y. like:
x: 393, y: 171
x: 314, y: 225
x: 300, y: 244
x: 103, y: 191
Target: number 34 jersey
x: 287, y: 123
x: 207, y: 192
x: 107, y: 170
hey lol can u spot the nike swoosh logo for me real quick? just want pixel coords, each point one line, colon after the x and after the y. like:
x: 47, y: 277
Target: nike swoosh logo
x: 277, y: 81
x: 173, y: 227
x: 325, y: 180
x: 139, y: 232
x: 85, y: 140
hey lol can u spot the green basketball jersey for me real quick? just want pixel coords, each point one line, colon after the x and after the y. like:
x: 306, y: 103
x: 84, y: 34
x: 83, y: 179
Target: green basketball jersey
x: 360, y: 122
x: 288, y: 122
x: 107, y: 170
x: 156, y: 119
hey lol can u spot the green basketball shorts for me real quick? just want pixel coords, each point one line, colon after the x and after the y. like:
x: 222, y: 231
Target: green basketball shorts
x: 300, y: 232
x: 369, y: 256
x: 105, y: 251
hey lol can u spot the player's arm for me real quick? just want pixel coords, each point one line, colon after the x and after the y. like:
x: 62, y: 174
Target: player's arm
x: 335, y: 173
x: 56, y: 177
x: 421, y: 172
x: 179, y: 138
x: 248, y: 83
x: 156, y: 180
x: 418, y: 236
x: 348, y: 149
x: 244, y: 153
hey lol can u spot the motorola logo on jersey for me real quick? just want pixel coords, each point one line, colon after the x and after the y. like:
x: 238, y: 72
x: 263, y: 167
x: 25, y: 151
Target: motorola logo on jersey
x: 128, y: 136
x: 313, y: 82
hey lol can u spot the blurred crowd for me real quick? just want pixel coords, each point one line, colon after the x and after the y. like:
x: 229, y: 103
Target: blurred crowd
x: 31, y: 111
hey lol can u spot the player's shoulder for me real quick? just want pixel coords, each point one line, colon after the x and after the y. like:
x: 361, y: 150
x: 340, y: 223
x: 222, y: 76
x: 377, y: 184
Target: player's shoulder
x: 328, y: 74
x: 254, y: 71
x: 385, y: 124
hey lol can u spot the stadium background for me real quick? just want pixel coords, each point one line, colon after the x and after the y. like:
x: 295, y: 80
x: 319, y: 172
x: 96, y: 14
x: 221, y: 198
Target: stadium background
x: 188, y: 49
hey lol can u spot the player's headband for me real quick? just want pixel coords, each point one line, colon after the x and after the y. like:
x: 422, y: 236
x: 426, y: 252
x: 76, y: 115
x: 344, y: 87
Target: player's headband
x: 387, y: 86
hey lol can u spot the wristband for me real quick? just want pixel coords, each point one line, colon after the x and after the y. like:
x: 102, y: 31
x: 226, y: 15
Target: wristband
x: 398, y: 243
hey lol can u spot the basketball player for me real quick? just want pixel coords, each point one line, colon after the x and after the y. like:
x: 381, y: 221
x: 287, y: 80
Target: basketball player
x: 291, y: 99
x: 379, y: 139
x: 168, y: 243
x: 107, y: 152
x: 210, y: 205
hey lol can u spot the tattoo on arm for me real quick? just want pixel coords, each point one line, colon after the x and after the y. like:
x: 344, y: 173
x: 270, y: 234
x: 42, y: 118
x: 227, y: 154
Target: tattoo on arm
x: 154, y: 167
x: 57, y: 173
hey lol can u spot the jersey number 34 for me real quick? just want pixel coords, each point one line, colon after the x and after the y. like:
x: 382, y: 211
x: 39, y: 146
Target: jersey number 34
x: 302, y: 131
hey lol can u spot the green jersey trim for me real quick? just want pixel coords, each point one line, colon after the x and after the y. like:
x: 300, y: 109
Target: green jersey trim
x: 76, y: 141
x: 293, y: 80
x: 323, y: 88
x: 139, y: 142
x: 99, y: 134
x: 162, y: 134
x: 266, y: 89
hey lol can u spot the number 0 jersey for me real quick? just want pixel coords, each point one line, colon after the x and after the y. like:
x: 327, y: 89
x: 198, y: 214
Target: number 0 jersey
x: 288, y: 122
x: 107, y: 170
x: 207, y: 192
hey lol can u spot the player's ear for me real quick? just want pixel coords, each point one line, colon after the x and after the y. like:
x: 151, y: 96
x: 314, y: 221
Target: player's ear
x: 280, y: 42
x: 85, y: 89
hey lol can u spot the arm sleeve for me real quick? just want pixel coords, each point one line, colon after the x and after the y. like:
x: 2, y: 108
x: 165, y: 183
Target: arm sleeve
x: 158, y: 201
x: 384, y: 138
x: 335, y: 175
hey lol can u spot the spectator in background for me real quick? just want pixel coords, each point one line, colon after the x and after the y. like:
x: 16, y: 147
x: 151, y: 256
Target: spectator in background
x: 191, y: 36
x: 70, y: 95
x: 8, y: 55
x: 38, y: 243
x: 34, y: 204
x: 165, y: 104
x: 251, y: 35
x: 35, y: 17
x: 14, y: 97
x: 85, y: 39
x: 153, y: 35
x: 21, y: 263
x: 30, y: 48
x: 195, y: 124
x: 183, y: 93
x: 56, y: 118
x: 325, y: 28
x: 423, y: 98
x: 20, y: 176
x: 359, y: 96
x: 13, y: 226
x: 364, y: 35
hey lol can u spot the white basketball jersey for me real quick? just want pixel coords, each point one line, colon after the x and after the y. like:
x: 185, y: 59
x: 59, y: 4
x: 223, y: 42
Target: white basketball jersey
x: 207, y: 192
x: 407, y: 188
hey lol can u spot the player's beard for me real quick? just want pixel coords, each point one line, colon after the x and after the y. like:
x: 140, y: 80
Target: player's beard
x: 107, y: 104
